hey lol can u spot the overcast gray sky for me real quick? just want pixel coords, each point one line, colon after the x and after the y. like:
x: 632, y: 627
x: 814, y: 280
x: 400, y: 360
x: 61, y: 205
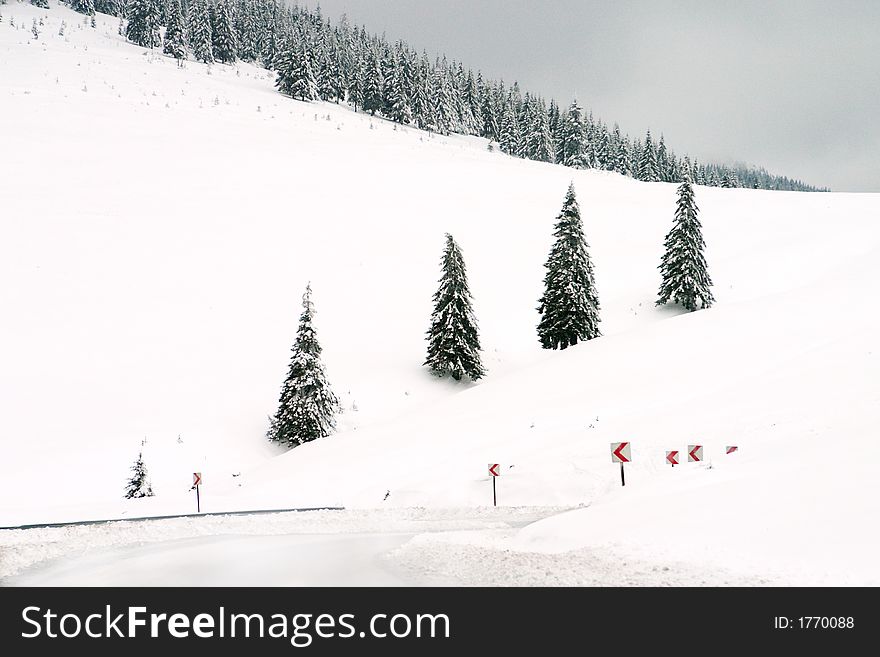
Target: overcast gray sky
x: 791, y: 85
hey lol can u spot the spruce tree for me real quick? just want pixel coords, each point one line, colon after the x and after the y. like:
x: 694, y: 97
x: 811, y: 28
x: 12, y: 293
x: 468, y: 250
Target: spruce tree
x: 665, y: 163
x: 307, y: 406
x: 271, y: 39
x: 453, y: 339
x: 570, y: 305
x: 603, y: 149
x: 571, y: 144
x: 397, y: 103
x: 138, y: 486
x: 649, y: 170
x: 539, y: 143
x: 86, y: 7
x: 686, y: 278
x: 175, y: 39
x: 246, y: 29
x: 373, y: 85
x: 441, y: 100
x: 699, y: 173
x: 472, y: 102
x: 143, y: 23
x: 491, y: 127
x: 510, y: 138
x: 617, y: 153
x: 729, y: 181
x: 223, y: 32
x: 200, y: 38
x: 423, y: 115
x: 295, y: 75
x: 323, y: 81
x: 335, y: 76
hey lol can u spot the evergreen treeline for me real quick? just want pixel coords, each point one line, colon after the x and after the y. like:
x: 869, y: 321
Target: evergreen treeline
x: 315, y: 59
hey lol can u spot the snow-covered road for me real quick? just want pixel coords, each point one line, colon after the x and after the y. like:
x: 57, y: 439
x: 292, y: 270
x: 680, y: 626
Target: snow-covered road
x: 289, y: 560
x: 389, y: 547
x: 321, y: 548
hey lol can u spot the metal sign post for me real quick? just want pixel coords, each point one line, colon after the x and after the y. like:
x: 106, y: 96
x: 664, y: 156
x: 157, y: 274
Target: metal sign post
x: 494, y: 472
x: 197, y: 480
x: 620, y: 453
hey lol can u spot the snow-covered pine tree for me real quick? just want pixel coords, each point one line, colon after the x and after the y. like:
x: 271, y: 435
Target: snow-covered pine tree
x: 423, y: 116
x: 175, y: 38
x: 685, y: 275
x: 649, y: 171
x: 617, y: 152
x: 664, y: 162
x: 408, y: 72
x: 139, y: 485
x: 441, y: 100
x: 357, y: 84
x: 571, y: 145
x: 397, y: 103
x: 223, y: 33
x: 200, y: 39
x: 635, y: 158
x: 698, y: 173
x: 602, y: 149
x: 322, y: 73
x: 539, y: 143
x: 687, y: 169
x: 307, y: 406
x: 386, y: 66
x: 453, y: 339
x: 510, y: 139
x: 676, y: 169
x: 295, y: 76
x: 728, y: 180
x: 143, y: 23
x: 570, y: 305
x: 86, y: 7
x: 246, y: 20
x: 334, y: 74
x: 472, y: 103
x: 270, y: 40
x: 110, y: 7
x: 491, y: 128
x: 553, y: 118
x: 373, y: 85
x: 42, y: 4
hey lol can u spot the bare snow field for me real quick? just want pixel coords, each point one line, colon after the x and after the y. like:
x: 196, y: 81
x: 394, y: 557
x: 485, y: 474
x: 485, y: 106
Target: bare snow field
x: 159, y: 226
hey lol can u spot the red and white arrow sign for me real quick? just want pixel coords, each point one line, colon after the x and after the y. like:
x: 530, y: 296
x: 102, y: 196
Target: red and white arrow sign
x: 695, y: 453
x: 620, y: 453
x: 672, y: 457
x: 495, y: 469
x: 731, y: 449
x: 197, y: 478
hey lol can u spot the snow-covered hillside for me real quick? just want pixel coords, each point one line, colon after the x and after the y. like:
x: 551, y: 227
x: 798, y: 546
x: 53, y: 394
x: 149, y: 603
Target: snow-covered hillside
x: 159, y: 226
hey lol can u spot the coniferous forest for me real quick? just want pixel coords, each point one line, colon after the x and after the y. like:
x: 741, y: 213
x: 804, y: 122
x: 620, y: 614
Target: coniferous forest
x: 316, y: 59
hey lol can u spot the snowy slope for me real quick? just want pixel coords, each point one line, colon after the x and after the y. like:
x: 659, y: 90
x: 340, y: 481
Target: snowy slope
x: 159, y: 226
